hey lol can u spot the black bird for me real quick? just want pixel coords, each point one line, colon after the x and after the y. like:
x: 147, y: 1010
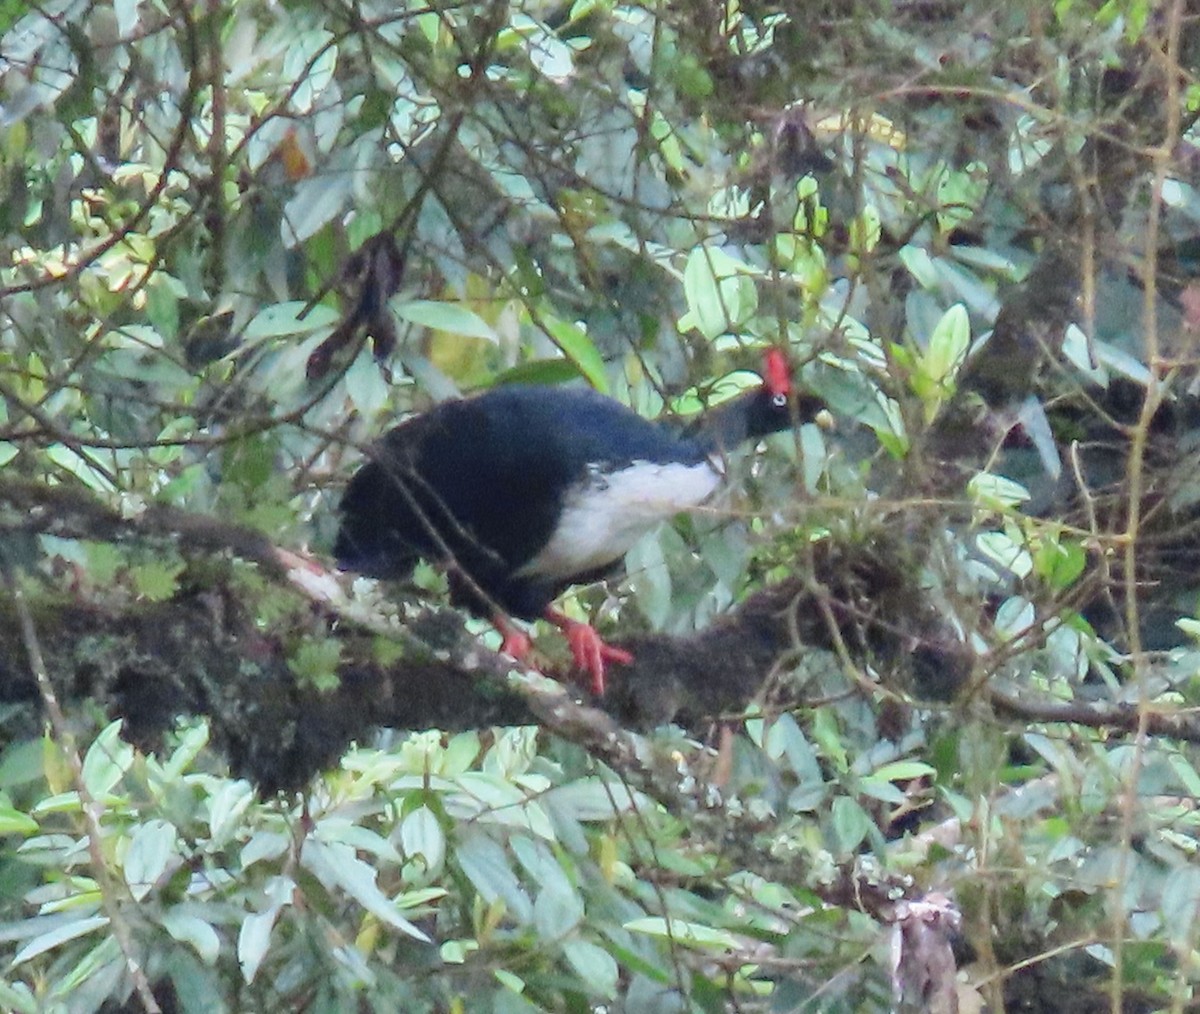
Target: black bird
x: 523, y: 491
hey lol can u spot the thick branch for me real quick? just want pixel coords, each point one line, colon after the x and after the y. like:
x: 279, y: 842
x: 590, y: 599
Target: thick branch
x: 202, y: 653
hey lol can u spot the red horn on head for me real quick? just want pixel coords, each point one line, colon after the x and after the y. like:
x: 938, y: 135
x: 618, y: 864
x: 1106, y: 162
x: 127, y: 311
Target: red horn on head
x: 776, y: 373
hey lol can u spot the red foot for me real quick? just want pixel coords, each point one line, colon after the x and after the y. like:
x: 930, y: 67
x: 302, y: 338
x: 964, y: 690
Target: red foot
x: 515, y: 641
x: 589, y: 650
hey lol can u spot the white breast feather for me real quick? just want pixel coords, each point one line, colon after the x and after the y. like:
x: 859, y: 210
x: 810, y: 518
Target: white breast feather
x: 602, y: 519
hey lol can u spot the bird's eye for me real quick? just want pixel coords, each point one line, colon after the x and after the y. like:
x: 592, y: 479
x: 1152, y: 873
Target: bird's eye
x: 779, y: 400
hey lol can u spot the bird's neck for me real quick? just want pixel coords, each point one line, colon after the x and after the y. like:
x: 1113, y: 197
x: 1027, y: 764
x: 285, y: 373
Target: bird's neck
x: 728, y: 425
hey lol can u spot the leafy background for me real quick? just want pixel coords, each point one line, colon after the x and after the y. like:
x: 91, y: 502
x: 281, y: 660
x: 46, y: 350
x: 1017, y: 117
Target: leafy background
x: 239, y: 239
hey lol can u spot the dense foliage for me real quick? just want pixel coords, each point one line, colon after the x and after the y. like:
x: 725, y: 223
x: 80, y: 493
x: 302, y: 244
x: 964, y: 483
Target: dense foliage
x: 239, y: 238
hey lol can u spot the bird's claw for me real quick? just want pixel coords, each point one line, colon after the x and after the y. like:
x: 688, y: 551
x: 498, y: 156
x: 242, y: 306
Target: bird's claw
x: 516, y: 644
x: 514, y: 641
x: 587, y: 647
x: 590, y: 652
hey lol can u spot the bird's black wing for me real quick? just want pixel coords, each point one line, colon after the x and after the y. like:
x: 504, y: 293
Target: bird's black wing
x: 483, y: 481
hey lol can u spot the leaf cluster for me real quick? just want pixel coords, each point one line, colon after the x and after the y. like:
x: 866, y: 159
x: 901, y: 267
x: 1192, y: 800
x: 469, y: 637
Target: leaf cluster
x: 934, y: 670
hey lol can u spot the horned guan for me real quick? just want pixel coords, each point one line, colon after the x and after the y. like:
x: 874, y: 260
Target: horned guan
x: 523, y: 491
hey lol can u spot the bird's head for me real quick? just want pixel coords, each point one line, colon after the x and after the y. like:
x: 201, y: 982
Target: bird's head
x: 778, y: 404
x: 774, y: 405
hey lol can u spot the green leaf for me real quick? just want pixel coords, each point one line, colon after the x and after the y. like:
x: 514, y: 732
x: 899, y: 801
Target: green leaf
x: 337, y: 828
x: 150, y: 848
x: 932, y: 379
x: 512, y: 753
x: 920, y: 265
x: 650, y: 580
x: 366, y: 386
x: 61, y: 802
x: 71, y: 930
x: 1189, y: 626
x: 18, y: 998
x: 162, y: 305
x: 100, y: 968
x: 785, y: 738
x: 1188, y: 777
x: 452, y: 317
x: 1180, y: 905
x: 157, y: 580
x: 1120, y: 361
x: 315, y: 662
x: 556, y: 913
x: 865, y: 230
x: 192, y: 740
x: 336, y: 866
x: 422, y: 839
x: 686, y: 934
x: 960, y: 193
x: 947, y: 345
x: 1059, y: 563
x: 968, y: 287
x: 828, y: 737
x: 317, y: 201
x: 487, y: 866
x: 105, y: 561
x: 12, y: 820
x: 283, y: 319
x: 667, y: 137
x: 254, y: 938
x: 225, y: 809
x: 199, y: 934
x: 1032, y: 418
x: 84, y: 897
x: 264, y: 845
x: 250, y: 462
x: 595, y: 799
x: 107, y: 760
x: 1077, y: 350
x: 898, y: 771
x: 483, y: 792
x: 539, y: 371
x: 459, y: 754
x: 509, y: 980
x: 995, y: 491
x: 491, y: 799
x: 719, y: 295
x: 1003, y: 549
x: 542, y: 864
x: 421, y: 898
x: 575, y: 344
x: 454, y: 952
x: 82, y: 464
x: 851, y: 824
x: 690, y: 76
x: 878, y: 788
x: 594, y: 965
x: 724, y: 389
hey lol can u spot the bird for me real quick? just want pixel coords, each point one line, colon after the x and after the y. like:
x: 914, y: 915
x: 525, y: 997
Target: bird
x: 523, y: 491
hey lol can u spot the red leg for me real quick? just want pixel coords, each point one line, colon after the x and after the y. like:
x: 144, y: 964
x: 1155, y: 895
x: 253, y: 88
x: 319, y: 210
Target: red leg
x: 589, y: 650
x: 515, y: 641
